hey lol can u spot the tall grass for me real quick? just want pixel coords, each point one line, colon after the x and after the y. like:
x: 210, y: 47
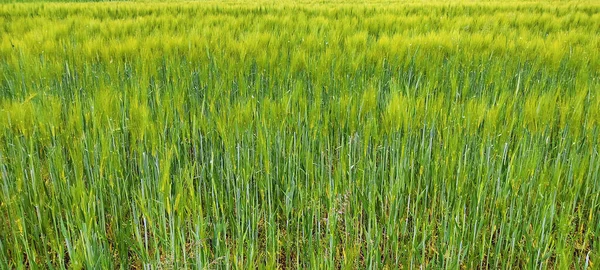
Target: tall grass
x: 437, y: 135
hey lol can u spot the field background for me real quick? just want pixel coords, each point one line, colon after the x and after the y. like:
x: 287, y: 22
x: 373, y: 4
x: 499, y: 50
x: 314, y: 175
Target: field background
x: 300, y: 135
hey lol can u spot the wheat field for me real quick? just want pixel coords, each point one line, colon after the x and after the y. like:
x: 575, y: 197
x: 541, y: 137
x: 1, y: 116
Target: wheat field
x: 304, y: 135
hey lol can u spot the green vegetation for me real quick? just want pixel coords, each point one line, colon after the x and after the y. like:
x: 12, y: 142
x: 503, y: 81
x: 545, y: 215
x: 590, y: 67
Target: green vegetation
x: 245, y: 135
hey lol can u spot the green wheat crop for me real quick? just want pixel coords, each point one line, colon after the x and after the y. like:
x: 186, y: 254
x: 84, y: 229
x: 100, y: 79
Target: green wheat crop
x: 353, y: 135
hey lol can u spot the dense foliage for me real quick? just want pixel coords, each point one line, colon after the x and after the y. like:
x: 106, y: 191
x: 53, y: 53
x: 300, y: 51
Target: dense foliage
x: 437, y: 135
